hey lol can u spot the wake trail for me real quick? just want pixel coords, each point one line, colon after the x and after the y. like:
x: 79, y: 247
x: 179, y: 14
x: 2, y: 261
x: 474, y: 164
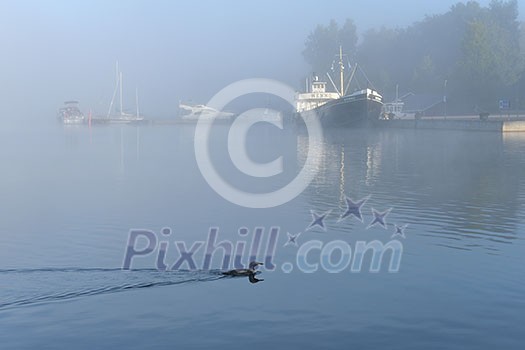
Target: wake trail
x: 23, y: 287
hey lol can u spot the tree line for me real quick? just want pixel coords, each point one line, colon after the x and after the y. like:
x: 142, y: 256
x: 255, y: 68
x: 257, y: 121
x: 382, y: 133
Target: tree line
x: 473, y: 55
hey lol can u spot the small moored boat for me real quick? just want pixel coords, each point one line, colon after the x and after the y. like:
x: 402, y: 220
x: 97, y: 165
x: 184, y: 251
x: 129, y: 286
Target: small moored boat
x: 70, y: 113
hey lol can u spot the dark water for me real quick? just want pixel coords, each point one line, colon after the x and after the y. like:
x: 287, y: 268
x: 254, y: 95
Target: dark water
x: 70, y: 196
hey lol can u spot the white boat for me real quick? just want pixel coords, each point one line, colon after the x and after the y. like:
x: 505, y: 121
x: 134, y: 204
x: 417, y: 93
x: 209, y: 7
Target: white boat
x: 395, y: 109
x: 70, y: 113
x: 203, y: 112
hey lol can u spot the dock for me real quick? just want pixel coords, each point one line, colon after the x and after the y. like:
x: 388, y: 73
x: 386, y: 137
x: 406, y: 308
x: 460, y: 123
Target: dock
x: 153, y: 121
x: 464, y: 123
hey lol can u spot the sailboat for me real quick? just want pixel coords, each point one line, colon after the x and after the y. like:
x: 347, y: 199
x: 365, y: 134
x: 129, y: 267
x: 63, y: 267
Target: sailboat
x: 120, y: 116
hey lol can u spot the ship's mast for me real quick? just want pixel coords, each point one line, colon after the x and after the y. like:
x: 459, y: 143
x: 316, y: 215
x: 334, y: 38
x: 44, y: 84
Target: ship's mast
x: 341, y: 69
x: 137, y: 100
x: 120, y: 76
x: 114, y: 91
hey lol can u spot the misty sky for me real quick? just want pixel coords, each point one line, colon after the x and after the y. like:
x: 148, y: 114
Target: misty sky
x: 172, y: 50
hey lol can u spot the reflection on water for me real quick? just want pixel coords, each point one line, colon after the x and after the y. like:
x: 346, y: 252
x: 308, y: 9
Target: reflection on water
x: 466, y: 189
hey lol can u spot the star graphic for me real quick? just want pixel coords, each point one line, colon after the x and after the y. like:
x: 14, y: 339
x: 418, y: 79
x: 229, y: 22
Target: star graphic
x: 400, y: 231
x: 292, y: 239
x: 353, y: 208
x: 318, y: 220
x: 379, y: 218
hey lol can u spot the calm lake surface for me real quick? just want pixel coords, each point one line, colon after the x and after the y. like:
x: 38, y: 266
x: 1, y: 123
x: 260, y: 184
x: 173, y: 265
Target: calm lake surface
x: 71, y: 195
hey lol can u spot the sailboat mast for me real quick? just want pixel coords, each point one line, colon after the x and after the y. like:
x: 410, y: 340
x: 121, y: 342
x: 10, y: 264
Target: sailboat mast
x: 137, y: 100
x: 114, y: 92
x: 341, y: 69
x: 120, y: 81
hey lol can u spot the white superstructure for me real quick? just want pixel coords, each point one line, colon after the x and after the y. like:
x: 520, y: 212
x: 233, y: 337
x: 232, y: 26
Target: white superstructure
x: 316, y: 97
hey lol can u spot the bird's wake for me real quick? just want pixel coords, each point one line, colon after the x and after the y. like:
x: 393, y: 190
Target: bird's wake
x: 21, y: 287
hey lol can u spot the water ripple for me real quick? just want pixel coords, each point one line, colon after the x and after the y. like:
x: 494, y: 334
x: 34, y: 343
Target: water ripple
x: 22, y: 287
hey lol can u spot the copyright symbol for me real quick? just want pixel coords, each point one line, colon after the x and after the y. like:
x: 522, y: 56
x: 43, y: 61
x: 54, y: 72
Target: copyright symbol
x: 237, y: 147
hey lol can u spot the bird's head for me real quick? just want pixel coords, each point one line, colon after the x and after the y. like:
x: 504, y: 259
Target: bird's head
x: 254, y: 264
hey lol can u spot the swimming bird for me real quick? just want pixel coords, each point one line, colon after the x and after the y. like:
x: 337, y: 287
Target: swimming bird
x: 250, y: 271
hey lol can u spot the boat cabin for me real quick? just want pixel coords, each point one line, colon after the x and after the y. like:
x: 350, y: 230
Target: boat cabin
x: 315, y: 97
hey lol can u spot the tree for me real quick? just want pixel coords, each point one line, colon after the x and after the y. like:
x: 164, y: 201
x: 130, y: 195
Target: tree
x: 380, y: 57
x: 425, y: 78
x: 418, y: 58
x: 491, y: 60
x: 323, y: 43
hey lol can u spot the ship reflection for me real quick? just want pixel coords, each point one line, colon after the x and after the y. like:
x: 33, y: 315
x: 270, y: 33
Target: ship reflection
x: 456, y: 186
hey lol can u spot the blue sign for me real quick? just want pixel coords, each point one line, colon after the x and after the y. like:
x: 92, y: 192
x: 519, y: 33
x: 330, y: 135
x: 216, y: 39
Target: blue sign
x: 504, y: 104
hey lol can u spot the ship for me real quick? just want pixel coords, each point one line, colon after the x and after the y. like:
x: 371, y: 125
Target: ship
x: 70, y: 113
x: 361, y: 108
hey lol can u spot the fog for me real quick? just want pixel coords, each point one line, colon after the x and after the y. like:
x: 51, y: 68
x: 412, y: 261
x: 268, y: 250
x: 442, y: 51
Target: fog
x: 54, y: 51
x: 100, y: 217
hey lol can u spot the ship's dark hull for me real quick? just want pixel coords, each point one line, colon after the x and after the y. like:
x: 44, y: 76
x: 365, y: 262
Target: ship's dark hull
x: 348, y: 111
